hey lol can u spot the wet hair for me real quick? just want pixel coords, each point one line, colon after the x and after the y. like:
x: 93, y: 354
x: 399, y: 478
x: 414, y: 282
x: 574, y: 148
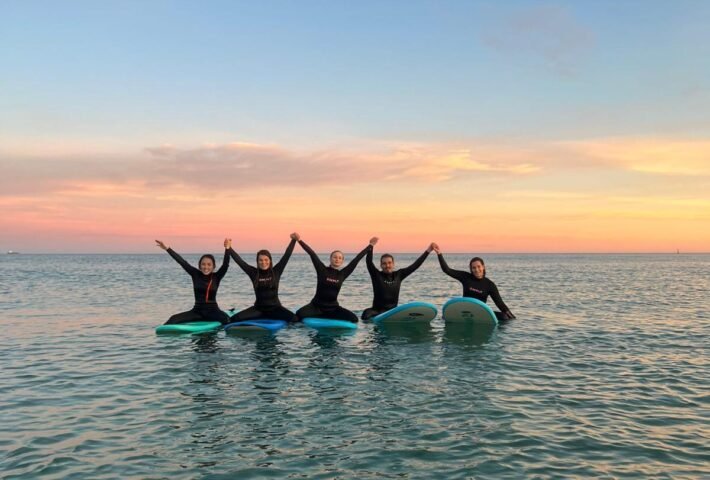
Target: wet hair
x: 477, y: 259
x: 211, y: 257
x: 386, y: 255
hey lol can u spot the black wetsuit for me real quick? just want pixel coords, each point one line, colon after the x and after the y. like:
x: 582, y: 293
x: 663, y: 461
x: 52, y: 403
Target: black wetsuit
x: 266, y: 288
x: 205, y: 288
x: 386, y: 285
x: 478, y: 288
x: 325, y: 302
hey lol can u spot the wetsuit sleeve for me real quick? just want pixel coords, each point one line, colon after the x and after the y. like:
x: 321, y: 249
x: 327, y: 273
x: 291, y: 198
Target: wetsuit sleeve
x: 317, y: 264
x: 370, y: 264
x: 186, y: 266
x: 495, y: 296
x: 279, y: 267
x: 353, y: 263
x: 225, y: 265
x: 459, y: 275
x: 314, y: 257
x: 248, y: 269
x: 407, y: 271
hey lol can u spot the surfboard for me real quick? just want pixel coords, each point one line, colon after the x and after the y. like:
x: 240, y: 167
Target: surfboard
x: 329, y: 324
x: 260, y: 325
x: 190, y: 327
x: 409, y: 313
x: 469, y: 311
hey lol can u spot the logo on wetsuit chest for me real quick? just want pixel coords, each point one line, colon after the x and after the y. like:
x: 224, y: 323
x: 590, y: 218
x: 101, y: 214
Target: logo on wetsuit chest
x: 332, y: 280
x: 264, y: 279
x: 475, y: 290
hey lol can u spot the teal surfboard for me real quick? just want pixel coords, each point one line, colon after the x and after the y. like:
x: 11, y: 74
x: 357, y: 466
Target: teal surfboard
x: 409, y: 313
x: 188, y: 328
x: 469, y: 311
x: 329, y: 324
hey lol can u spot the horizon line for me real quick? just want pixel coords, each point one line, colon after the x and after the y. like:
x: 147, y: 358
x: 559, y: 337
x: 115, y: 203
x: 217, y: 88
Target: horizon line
x: 392, y: 252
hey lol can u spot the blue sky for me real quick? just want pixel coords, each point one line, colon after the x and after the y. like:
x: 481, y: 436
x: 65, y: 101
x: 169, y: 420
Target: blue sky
x: 308, y: 73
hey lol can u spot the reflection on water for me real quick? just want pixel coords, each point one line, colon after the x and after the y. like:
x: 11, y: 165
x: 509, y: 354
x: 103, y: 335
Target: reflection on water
x: 467, y: 334
x: 205, y: 343
x: 417, y: 333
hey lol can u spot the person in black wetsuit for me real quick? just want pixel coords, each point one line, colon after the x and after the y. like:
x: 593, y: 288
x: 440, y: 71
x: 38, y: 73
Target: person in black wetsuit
x: 387, y: 282
x: 265, y: 279
x: 476, y: 284
x: 205, y: 282
x: 330, y: 279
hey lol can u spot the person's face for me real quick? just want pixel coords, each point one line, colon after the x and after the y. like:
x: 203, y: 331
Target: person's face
x: 336, y: 259
x: 206, y: 266
x: 477, y: 269
x: 264, y: 262
x: 387, y: 264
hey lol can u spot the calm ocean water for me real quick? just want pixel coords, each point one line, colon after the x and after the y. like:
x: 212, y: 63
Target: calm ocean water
x: 605, y: 374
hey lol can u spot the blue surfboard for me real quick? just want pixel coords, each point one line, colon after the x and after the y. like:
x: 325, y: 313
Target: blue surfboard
x: 409, y: 313
x: 329, y: 324
x: 260, y: 325
x: 188, y: 328
x: 469, y: 311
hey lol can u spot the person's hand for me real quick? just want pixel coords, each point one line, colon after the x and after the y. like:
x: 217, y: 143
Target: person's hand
x: 227, y: 243
x: 508, y: 315
x: 431, y: 247
x: 435, y: 247
x: 161, y: 245
x: 373, y: 241
x: 295, y: 236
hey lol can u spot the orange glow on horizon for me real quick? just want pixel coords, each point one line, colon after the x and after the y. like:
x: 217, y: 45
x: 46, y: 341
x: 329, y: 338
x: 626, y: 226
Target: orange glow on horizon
x: 626, y: 195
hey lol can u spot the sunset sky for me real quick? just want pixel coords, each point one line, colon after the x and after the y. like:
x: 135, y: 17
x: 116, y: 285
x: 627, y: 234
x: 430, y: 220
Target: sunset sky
x: 521, y: 126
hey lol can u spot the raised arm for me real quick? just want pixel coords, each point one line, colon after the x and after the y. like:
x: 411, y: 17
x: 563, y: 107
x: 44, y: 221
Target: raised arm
x: 370, y: 250
x: 459, y: 275
x: 183, y: 263
x: 279, y: 267
x: 314, y: 256
x: 248, y: 269
x: 225, y: 263
x: 353, y: 263
x: 407, y: 271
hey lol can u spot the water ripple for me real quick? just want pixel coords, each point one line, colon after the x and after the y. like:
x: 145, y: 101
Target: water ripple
x: 603, y: 375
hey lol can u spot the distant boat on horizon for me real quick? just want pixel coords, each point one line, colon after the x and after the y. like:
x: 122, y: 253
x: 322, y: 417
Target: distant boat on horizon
x: 12, y: 252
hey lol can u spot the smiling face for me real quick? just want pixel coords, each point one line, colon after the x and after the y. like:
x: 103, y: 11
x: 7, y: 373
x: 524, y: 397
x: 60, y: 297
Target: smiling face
x: 336, y: 259
x: 206, y: 265
x: 263, y: 262
x: 478, y: 269
x: 387, y: 263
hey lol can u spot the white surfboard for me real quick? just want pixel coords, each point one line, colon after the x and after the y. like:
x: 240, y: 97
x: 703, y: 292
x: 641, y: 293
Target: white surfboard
x: 470, y: 311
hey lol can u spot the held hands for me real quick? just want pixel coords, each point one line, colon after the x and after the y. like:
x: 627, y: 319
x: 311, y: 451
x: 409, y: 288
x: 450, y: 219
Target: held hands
x: 435, y: 246
x: 295, y: 236
x: 161, y: 245
x: 374, y: 240
x: 227, y: 243
x: 431, y: 247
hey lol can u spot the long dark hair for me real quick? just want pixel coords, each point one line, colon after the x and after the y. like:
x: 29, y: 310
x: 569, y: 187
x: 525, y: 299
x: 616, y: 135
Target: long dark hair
x: 270, y: 270
x: 477, y: 259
